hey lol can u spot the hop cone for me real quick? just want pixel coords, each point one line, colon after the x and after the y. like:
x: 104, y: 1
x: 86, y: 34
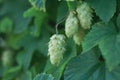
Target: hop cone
x: 7, y: 58
x: 85, y: 15
x: 71, y: 25
x: 78, y: 37
x: 56, y: 48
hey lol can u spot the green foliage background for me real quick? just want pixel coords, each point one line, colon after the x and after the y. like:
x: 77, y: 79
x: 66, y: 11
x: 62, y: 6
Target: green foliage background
x: 25, y: 30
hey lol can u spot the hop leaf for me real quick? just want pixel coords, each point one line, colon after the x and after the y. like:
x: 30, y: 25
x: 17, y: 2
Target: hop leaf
x: 85, y: 15
x: 44, y: 76
x: 56, y: 48
x: 78, y: 37
x: 6, y: 25
x: 71, y: 25
x: 38, y: 4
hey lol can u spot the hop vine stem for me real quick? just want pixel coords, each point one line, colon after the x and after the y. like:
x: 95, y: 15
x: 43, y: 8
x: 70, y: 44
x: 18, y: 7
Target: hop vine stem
x: 56, y: 28
x: 61, y: 22
x: 70, y: 8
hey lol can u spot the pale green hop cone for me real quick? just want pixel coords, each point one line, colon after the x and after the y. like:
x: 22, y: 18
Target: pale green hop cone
x: 56, y: 48
x: 71, y: 25
x: 85, y: 15
x: 78, y: 37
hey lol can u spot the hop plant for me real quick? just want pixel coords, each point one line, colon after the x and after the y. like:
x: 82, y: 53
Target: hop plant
x: 37, y: 4
x: 71, y: 25
x: 85, y: 15
x: 79, y: 36
x: 56, y: 48
x: 7, y: 58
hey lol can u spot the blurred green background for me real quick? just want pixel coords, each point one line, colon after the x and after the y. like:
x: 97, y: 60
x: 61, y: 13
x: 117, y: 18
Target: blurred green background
x: 24, y: 34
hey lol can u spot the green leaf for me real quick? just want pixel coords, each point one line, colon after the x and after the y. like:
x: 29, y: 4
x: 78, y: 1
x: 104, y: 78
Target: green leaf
x: 118, y: 21
x: 24, y: 58
x: 104, y: 36
x: 38, y: 20
x: 1, y: 1
x: 14, y: 41
x: 28, y: 42
x: 81, y: 67
x: 30, y: 12
x: 118, y: 5
x: 99, y: 32
x: 44, y: 76
x: 103, y: 74
x: 14, y: 10
x: 38, y: 4
x: 6, y: 25
x: 72, y: 4
x: 62, y: 11
x: 88, y: 67
x: 105, y: 9
x: 110, y: 49
x: 1, y: 70
x: 26, y: 76
x: 11, y: 73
